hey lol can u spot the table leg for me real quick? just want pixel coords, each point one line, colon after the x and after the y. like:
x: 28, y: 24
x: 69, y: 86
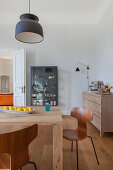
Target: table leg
x: 57, y: 147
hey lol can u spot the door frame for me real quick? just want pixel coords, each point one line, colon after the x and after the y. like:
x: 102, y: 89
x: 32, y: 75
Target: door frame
x: 14, y: 52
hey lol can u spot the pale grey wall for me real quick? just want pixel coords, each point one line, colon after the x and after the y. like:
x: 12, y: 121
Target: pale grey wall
x: 104, y: 47
x: 63, y: 46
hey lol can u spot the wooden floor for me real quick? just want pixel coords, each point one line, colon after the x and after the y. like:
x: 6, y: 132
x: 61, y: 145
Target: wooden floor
x: 41, y: 150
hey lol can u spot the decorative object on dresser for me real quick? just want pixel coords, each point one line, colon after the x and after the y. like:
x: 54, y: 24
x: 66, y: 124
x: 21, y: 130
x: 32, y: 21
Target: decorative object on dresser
x: 93, y: 86
x: 101, y: 87
x: 44, y: 85
x: 102, y: 107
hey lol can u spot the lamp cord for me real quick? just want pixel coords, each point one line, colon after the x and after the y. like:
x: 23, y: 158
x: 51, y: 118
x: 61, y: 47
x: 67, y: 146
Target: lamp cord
x: 29, y: 6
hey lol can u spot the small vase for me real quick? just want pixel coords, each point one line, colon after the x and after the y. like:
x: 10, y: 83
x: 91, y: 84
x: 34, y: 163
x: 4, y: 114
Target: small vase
x: 100, y: 90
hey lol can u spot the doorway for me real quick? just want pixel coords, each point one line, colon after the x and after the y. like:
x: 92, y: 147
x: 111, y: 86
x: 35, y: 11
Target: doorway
x: 6, y: 78
x: 13, y: 78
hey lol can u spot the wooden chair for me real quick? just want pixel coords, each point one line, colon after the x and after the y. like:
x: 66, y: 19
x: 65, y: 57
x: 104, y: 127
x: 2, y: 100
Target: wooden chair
x: 82, y: 115
x: 14, y: 153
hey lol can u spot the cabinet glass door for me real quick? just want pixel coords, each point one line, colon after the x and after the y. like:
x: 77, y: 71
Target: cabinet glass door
x: 37, y: 87
x: 50, y: 83
x: 44, y: 86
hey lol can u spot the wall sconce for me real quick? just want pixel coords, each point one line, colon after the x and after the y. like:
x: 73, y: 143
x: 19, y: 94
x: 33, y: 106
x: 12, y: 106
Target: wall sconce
x: 87, y: 67
x: 77, y: 69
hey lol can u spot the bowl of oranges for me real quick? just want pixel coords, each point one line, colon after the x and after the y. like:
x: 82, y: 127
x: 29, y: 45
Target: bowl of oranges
x: 17, y: 109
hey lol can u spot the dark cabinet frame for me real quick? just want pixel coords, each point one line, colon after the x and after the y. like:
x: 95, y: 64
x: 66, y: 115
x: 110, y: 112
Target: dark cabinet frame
x: 44, y: 86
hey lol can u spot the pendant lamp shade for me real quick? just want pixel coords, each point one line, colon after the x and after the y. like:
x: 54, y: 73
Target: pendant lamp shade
x: 28, y: 30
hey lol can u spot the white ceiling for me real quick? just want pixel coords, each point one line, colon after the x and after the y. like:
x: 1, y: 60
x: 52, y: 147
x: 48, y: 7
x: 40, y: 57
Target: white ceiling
x: 55, y: 11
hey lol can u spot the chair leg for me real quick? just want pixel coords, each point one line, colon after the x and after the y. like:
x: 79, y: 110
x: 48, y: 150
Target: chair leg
x: 94, y: 149
x: 77, y: 153
x: 33, y: 164
x: 72, y: 146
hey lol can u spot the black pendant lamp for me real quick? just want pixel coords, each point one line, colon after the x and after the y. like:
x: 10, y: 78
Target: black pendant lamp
x: 28, y: 30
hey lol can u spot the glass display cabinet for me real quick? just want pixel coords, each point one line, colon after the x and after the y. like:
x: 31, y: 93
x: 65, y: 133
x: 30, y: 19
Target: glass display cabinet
x: 44, y: 85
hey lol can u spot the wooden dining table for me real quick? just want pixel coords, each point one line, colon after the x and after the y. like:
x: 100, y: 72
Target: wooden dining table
x: 12, y: 121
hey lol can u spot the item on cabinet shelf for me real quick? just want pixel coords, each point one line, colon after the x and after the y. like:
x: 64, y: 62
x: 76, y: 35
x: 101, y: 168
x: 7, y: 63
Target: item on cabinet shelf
x: 34, y: 95
x: 40, y: 94
x: 51, y: 103
x: 34, y: 100
x: 41, y: 102
x: 37, y: 103
x: 37, y: 89
x: 54, y: 103
x: 37, y: 97
x: 34, y: 104
x: 47, y: 95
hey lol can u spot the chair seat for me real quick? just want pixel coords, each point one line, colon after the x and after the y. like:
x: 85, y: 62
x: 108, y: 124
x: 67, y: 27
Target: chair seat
x: 5, y: 161
x: 73, y: 135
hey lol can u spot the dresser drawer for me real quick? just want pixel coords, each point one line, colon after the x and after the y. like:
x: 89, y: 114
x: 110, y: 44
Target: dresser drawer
x: 96, y: 108
x: 92, y: 97
x: 96, y: 122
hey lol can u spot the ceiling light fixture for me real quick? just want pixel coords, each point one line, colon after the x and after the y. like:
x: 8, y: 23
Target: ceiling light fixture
x: 28, y: 30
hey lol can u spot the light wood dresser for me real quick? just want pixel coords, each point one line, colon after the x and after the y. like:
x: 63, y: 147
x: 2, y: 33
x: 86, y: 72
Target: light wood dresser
x: 102, y: 107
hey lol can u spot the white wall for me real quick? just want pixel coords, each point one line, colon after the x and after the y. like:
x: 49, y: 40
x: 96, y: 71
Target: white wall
x: 63, y: 46
x: 104, y: 31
